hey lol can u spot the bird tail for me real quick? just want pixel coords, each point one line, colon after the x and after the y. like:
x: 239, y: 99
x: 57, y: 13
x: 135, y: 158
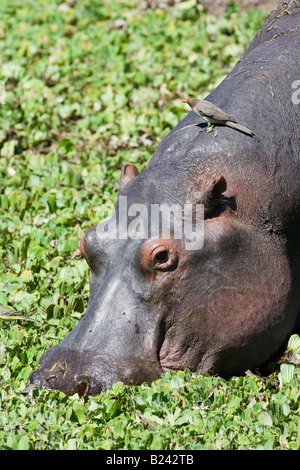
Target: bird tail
x: 238, y: 127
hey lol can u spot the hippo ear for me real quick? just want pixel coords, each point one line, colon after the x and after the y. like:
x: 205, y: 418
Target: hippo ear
x: 211, y: 195
x: 129, y: 172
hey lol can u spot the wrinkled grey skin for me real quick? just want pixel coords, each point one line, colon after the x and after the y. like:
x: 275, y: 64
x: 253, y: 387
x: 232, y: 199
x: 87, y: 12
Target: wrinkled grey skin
x: 155, y: 306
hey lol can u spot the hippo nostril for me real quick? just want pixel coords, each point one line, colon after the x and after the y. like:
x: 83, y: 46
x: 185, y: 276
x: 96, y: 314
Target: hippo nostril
x: 80, y: 385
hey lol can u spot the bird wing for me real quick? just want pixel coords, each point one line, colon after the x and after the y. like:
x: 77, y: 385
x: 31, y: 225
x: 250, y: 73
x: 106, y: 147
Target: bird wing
x: 8, y: 314
x: 213, y: 111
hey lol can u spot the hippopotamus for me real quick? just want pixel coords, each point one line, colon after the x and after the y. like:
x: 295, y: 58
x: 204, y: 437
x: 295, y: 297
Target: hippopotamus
x: 230, y: 302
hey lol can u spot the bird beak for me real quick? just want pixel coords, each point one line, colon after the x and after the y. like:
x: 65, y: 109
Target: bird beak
x: 184, y: 101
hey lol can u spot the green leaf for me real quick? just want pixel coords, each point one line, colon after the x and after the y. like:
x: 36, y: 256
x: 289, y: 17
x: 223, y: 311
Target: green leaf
x: 265, y: 418
x: 294, y: 343
x: 8, y: 149
x: 286, y: 373
x: 118, y: 388
x: 22, y: 443
x: 79, y: 411
x: 286, y: 409
x: 66, y: 147
x: 2, y: 353
x: 72, y: 444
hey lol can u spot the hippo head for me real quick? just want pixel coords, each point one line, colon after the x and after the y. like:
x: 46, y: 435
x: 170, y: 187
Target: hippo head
x: 159, y: 304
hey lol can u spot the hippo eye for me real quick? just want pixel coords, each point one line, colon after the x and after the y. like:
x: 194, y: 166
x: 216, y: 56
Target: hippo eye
x: 163, y: 259
x: 162, y: 256
x: 158, y: 255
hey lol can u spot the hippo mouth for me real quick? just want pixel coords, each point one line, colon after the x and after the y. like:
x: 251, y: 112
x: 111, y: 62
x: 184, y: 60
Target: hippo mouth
x: 80, y: 385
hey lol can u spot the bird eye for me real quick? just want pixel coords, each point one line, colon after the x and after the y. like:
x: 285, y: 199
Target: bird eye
x: 190, y: 101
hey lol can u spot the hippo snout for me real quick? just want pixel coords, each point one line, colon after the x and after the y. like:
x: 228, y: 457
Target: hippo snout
x: 83, y: 385
x: 88, y: 374
x: 58, y: 372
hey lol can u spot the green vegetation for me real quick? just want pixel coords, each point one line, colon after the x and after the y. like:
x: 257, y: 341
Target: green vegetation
x: 178, y: 411
x: 88, y: 89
